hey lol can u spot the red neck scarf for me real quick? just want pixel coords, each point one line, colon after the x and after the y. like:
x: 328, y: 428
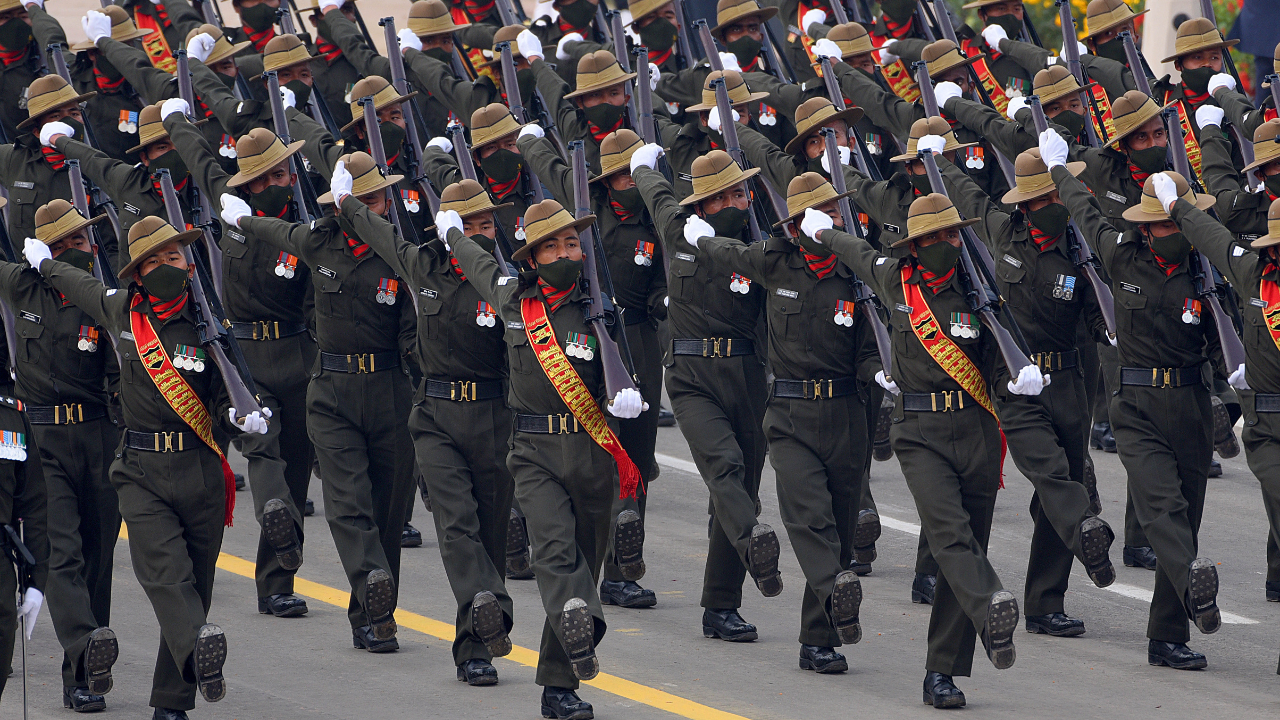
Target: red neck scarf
x: 327, y: 50
x: 1138, y: 176
x: 166, y: 310
x: 457, y: 268
x: 821, y: 266
x: 503, y: 189
x: 753, y: 66
x: 1042, y: 241
x: 935, y: 282
x: 476, y: 10
x: 177, y: 187
x: 260, y: 39
x: 54, y: 158
x: 105, y: 85
x: 599, y: 134
x: 566, y: 28
x: 657, y: 58
x: 283, y: 211
x: 1193, y: 100
x: 620, y: 211
x: 555, y: 298
x: 1165, y: 265
x: 975, y: 46
x: 358, y: 246
x: 898, y: 31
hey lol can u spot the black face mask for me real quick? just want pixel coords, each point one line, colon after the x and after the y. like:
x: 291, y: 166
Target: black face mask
x: 15, y: 34
x: 1011, y: 24
x: 715, y: 135
x: 440, y: 54
x: 105, y: 67
x: 172, y: 162
x: 392, y: 137
x: 605, y: 115
x: 259, y: 17
x: 630, y: 199
x: 502, y: 166
x: 1149, y: 160
x: 660, y: 35
x: 921, y: 184
x: 811, y: 246
x: 1071, y: 120
x: 77, y: 258
x: 938, y: 258
x: 1051, y: 219
x: 272, y: 200
x: 579, y: 13
x: 1197, y: 79
x: 77, y: 127
x: 1272, y: 184
x: 301, y: 92
x: 228, y: 81
x: 526, y: 80
x: 729, y: 222
x: 1112, y: 49
x: 1171, y: 248
x: 815, y: 165
x: 563, y: 273
x: 746, y: 49
x: 898, y: 11
x: 485, y: 242
x: 165, y: 282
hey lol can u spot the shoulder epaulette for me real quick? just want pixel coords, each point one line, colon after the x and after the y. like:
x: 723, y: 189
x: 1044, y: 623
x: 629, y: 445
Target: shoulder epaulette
x: 12, y: 402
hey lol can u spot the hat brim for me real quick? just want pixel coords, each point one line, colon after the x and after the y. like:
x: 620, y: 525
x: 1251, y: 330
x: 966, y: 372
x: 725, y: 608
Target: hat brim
x: 1265, y: 241
x: 801, y: 211
x: 1136, y: 214
x: 86, y: 45
x: 949, y: 226
x: 849, y: 115
x: 527, y: 249
x: 611, y: 172
x: 1108, y: 26
x: 75, y: 100
x: 182, y: 238
x: 592, y: 88
x: 1114, y: 143
x: 764, y: 13
x: 162, y: 136
x: 1211, y: 46
x: 235, y: 50
x: 388, y: 181
x: 302, y: 61
x: 497, y: 59
x: 1046, y: 99
x: 699, y: 197
x: 967, y: 61
x: 488, y: 209
x: 445, y: 31
x: 914, y: 156
x: 753, y: 97
x: 496, y: 138
x: 1015, y: 196
x: 241, y: 178
x: 1259, y: 163
x: 80, y: 225
x: 360, y: 120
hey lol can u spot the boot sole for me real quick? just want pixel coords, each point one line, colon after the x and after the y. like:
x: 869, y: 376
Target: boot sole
x: 762, y: 557
x: 575, y: 715
x: 1036, y: 628
x: 1002, y: 620
x: 1197, y: 664
x: 1095, y: 544
x: 628, y: 545
x: 1224, y: 435
x: 380, y: 602
x: 101, y: 653
x: 952, y: 702
x: 713, y: 634
x: 477, y: 680
x: 210, y: 654
x: 385, y: 647
x: 1204, y: 596
x: 281, y: 534
x: 517, y: 546
x: 865, y: 533
x: 489, y: 624
x: 1091, y: 486
x: 846, y: 598
x: 89, y: 707
x: 831, y: 668
x: 578, y: 630
x: 264, y: 608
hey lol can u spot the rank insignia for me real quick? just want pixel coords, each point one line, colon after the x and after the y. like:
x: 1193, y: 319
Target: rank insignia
x: 964, y: 325
x: 13, y: 445
x: 844, y: 313
x: 410, y: 198
x: 875, y: 145
x: 973, y: 158
x: 227, y: 146
x: 1065, y: 287
x: 768, y: 116
x: 88, y: 341
x: 580, y: 345
x: 286, y: 266
x: 740, y: 284
x: 485, y: 314
x: 644, y: 253
x: 1191, y: 311
x: 128, y: 122
x: 189, y: 358
x: 387, y: 288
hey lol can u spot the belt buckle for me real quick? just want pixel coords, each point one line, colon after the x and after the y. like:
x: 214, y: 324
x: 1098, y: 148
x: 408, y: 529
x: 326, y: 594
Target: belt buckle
x: 361, y: 365
x: 564, y: 423
x: 1168, y: 377
x: 946, y: 405
x: 168, y: 441
x: 74, y: 413
x: 464, y: 391
x: 260, y: 330
x: 714, y: 347
x: 817, y: 389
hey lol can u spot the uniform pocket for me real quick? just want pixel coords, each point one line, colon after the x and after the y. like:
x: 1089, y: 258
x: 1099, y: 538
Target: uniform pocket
x: 786, y: 313
x: 329, y: 299
x: 430, y: 308
x: 1129, y: 308
x: 905, y: 343
x: 517, y: 349
x: 29, y: 340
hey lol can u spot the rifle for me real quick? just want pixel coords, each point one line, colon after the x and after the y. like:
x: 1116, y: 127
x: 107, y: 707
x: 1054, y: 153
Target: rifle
x: 683, y: 46
x: 1079, y: 245
x: 102, y: 268
x: 512, y: 88
x: 930, y: 102
x: 1137, y: 63
x: 208, y: 10
x: 401, y: 85
x: 199, y: 206
x: 468, y: 170
x: 1071, y: 52
x: 779, y: 65
x: 303, y: 181
x: 624, y: 61
x: 729, y: 129
x: 616, y: 376
x: 1206, y: 286
x: 647, y: 129
x: 836, y: 95
x: 379, y: 153
x: 922, y: 16
x: 24, y: 562
x: 1229, y: 64
x: 982, y: 300
x: 212, y: 333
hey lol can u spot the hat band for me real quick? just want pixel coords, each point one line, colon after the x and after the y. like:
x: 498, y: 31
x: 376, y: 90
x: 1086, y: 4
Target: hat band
x: 1193, y: 43
x: 473, y: 204
x: 279, y: 60
x: 1110, y: 17
x: 728, y: 175
x: 367, y: 182
x: 41, y: 104
x: 932, y: 222
x: 489, y: 133
x: 609, y: 76
x: 1063, y: 86
x: 811, y: 198
x: 1027, y: 184
x: 738, y: 95
x: 538, y: 231
x: 63, y: 224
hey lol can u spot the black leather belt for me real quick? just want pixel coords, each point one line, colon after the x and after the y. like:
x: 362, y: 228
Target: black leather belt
x: 1054, y: 361
x: 363, y: 363
x: 634, y: 316
x: 814, y: 389
x: 949, y: 401
x: 162, y: 442
x: 1160, y: 377
x: 548, y: 424
x: 464, y: 390
x: 64, y: 414
x: 1266, y: 403
x: 266, y: 330
x: 713, y: 347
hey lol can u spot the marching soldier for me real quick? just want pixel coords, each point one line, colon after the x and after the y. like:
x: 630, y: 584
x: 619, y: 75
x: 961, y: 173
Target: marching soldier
x: 20, y: 65
x: 22, y: 508
x: 701, y: 132
x: 428, y: 63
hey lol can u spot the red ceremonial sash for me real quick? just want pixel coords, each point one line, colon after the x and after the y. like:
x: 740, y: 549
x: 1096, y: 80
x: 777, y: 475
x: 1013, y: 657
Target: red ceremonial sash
x: 994, y: 89
x: 1103, y: 103
x: 558, y: 369
x: 900, y: 81
x: 946, y: 353
x: 154, y: 43
x: 1188, y: 137
x: 1269, y: 293
x: 178, y: 394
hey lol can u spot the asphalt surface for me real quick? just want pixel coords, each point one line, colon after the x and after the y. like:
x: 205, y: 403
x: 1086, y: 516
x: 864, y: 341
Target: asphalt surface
x: 656, y: 664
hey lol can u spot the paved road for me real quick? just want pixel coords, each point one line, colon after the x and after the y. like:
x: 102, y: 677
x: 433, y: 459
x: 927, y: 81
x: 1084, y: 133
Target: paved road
x: 656, y: 662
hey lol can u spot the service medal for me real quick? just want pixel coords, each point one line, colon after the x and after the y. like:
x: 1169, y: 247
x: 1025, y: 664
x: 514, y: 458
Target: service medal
x: 844, y: 313
x: 644, y: 253
x: 740, y: 284
x: 387, y: 288
x: 1191, y: 311
x: 227, y: 147
x: 485, y: 314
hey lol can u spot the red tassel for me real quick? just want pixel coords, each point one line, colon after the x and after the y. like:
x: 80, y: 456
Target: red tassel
x: 229, y: 488
x: 628, y: 477
x: 1004, y: 450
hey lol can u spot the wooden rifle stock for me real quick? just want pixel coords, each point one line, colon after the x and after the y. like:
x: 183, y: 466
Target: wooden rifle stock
x: 468, y: 170
x: 282, y: 132
x: 729, y: 129
x: 1071, y: 52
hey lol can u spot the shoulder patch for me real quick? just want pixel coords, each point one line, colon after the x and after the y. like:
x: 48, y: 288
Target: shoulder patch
x: 506, y: 279
x: 882, y: 259
x: 112, y: 291
x: 1237, y: 251
x: 12, y: 402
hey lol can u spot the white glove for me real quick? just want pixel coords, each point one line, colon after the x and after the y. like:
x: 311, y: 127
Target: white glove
x: 288, y: 97
x: 530, y: 46
x: 561, y: 46
x: 234, y: 209
x: 695, y: 228
x: 97, y: 25
x: 173, y: 105
x: 993, y: 34
x: 532, y: 129
x: 447, y: 220
x: 886, y: 53
x: 1030, y: 381
x: 340, y: 183
x: 944, y: 91
x: 441, y: 142
x: 932, y: 143
x: 254, y: 423
x: 1221, y: 80
x: 1053, y: 149
x: 1082, y: 48
x: 546, y: 9
x: 627, y: 404
x: 327, y: 5
x: 36, y: 252
x: 1111, y: 338
x: 1166, y: 190
x: 814, y: 223
x: 49, y: 130
x: 816, y: 16
x: 886, y: 383
x: 654, y: 76
x: 1236, y: 379
x: 37, y: 3
x: 845, y: 155
x: 728, y: 61
x: 713, y: 118
x: 1207, y: 115
x: 827, y: 48
x: 201, y: 47
x: 646, y: 156
x: 30, y: 610
x: 409, y: 40
x: 1016, y: 104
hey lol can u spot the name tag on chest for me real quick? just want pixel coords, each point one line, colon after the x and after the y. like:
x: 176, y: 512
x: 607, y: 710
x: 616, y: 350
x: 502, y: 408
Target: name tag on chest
x: 1117, y: 197
x: 783, y: 292
x: 30, y: 317
x: 326, y: 272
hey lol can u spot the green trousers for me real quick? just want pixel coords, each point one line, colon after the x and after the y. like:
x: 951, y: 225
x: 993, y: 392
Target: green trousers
x: 461, y: 448
x: 358, y: 423
x: 82, y: 539
x: 1261, y: 438
x: 9, y: 626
